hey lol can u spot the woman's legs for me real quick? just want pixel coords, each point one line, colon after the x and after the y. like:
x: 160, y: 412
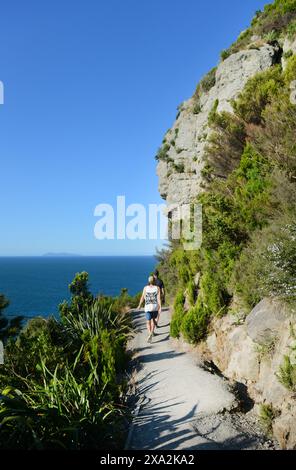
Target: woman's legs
x: 150, y: 328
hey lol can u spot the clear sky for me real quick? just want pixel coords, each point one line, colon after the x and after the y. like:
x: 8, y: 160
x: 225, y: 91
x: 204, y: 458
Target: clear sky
x: 91, y: 86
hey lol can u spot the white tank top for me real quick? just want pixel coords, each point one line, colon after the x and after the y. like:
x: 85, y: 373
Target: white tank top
x: 151, y: 304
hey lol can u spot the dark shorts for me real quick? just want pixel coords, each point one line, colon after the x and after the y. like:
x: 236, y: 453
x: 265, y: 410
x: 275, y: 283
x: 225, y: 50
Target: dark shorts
x: 151, y: 315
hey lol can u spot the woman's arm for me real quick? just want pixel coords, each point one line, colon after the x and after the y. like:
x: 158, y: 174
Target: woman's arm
x: 159, y: 299
x: 142, y: 298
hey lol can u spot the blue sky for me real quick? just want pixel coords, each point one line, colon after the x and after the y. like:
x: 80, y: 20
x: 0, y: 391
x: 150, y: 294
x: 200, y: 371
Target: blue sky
x: 90, y: 89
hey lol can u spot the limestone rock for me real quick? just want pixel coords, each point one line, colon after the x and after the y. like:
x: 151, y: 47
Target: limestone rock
x: 284, y: 427
x: 265, y: 320
x: 231, y: 347
x: 180, y: 172
x: 244, y: 363
x: 233, y: 73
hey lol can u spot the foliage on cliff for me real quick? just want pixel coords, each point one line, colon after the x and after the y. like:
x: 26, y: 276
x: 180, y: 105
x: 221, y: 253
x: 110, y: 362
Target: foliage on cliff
x: 277, y: 20
x: 249, y: 244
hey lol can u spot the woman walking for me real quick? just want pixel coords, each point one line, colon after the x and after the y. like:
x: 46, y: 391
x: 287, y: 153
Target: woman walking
x: 151, y: 295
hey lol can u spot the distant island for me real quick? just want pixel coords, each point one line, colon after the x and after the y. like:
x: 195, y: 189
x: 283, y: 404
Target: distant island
x: 69, y: 255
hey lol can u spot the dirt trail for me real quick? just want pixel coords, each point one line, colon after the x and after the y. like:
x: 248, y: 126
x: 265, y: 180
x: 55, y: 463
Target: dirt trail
x: 181, y: 403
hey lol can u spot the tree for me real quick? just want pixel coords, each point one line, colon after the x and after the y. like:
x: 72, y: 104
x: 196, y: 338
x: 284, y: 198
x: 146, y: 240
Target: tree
x: 81, y: 296
x: 11, y: 327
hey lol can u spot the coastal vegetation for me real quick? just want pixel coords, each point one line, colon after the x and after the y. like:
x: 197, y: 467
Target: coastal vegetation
x: 63, y: 384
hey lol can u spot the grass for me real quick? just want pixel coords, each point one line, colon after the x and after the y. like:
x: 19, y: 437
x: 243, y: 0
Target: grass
x: 287, y: 374
x: 266, y: 349
x: 267, y: 415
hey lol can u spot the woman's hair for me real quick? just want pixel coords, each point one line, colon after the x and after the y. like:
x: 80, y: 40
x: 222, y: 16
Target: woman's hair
x: 151, y: 280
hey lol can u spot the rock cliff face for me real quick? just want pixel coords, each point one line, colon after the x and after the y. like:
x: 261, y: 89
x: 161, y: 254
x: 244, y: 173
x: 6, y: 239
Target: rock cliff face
x: 248, y: 351
x: 180, y: 172
x: 252, y: 353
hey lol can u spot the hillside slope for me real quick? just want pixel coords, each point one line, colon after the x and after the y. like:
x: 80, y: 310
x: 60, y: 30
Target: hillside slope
x: 232, y: 149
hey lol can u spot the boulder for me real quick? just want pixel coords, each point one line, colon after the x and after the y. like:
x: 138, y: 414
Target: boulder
x: 265, y: 321
x: 284, y: 427
x: 243, y: 365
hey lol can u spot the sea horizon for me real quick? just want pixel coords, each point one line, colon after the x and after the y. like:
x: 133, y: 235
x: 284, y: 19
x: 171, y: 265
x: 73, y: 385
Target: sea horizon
x: 76, y: 256
x: 36, y: 285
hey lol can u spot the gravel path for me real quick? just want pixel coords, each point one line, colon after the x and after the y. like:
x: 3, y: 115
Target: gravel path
x: 182, y: 405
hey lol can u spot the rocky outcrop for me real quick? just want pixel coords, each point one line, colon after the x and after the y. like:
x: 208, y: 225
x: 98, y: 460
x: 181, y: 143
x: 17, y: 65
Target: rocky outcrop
x: 265, y: 321
x: 252, y: 353
x: 180, y: 167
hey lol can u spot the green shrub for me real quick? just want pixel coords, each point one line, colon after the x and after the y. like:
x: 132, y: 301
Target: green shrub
x: 196, y: 108
x: 225, y: 54
x: 212, y: 294
x: 191, y: 292
x: 39, y: 338
x: 212, y: 119
x: 66, y: 412
x: 288, y: 54
x: 291, y: 30
x: 271, y: 36
x: 267, y: 415
x: 257, y: 94
x: 276, y: 17
x: 81, y: 296
x: 287, y: 374
x: 267, y: 266
x: 179, y: 167
x: 178, y: 315
x: 209, y: 80
x: 162, y: 154
x: 226, y: 142
x: 275, y: 140
x: 290, y: 71
x: 195, y: 323
x: 281, y: 6
x: 61, y: 385
x: 272, y: 23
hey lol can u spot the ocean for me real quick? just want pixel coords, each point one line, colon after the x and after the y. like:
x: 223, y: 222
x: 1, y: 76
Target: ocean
x: 36, y: 285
